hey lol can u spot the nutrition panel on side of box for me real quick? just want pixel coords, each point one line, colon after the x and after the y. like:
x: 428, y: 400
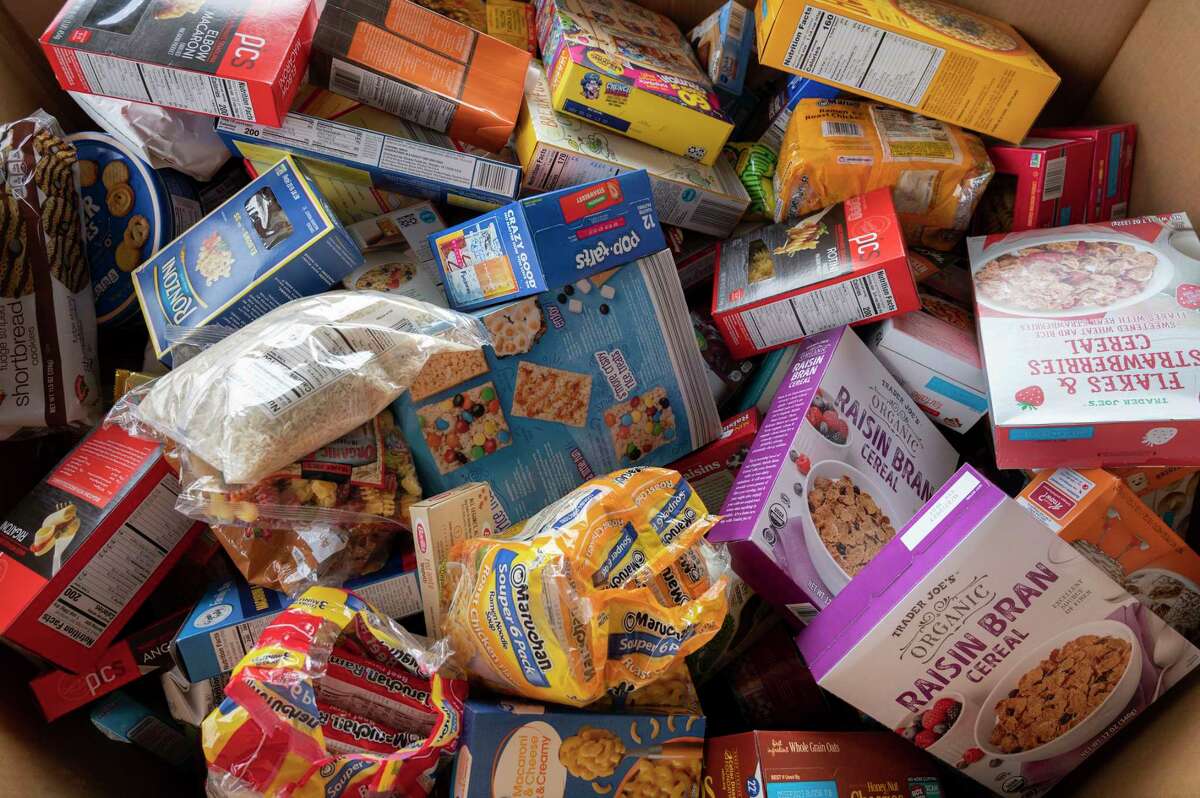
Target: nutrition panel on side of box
x: 846, y: 302
x: 160, y: 85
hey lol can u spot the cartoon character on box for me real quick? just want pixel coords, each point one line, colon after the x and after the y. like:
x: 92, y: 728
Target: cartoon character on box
x: 591, y: 85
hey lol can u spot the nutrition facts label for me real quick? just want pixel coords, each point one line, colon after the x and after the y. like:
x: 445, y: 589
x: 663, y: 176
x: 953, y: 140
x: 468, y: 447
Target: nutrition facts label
x: 844, y: 303
x: 423, y: 107
x: 159, y: 85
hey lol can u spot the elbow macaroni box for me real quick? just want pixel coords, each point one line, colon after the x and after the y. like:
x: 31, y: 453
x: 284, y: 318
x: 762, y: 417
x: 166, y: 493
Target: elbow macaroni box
x: 1111, y: 169
x: 1041, y: 182
x: 927, y: 56
x: 724, y: 41
x: 557, y: 150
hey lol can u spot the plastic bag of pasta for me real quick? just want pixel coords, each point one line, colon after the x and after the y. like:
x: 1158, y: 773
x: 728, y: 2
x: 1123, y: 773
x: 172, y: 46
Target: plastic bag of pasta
x: 600, y: 593
x: 836, y: 149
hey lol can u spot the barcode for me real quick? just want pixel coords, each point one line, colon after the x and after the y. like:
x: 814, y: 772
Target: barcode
x: 1056, y: 173
x: 737, y: 15
x: 416, y: 105
x: 497, y: 177
x: 714, y: 216
x: 343, y: 81
x: 829, y: 128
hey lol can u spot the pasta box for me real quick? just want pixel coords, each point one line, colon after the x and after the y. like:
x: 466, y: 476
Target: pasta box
x: 1041, y: 182
x: 996, y: 646
x: 1111, y: 169
x: 724, y: 41
x: 237, y: 60
x: 126, y: 720
x: 711, y: 469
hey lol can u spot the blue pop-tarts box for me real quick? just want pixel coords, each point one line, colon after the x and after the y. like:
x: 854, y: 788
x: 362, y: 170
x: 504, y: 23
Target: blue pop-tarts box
x: 272, y: 242
x: 548, y: 241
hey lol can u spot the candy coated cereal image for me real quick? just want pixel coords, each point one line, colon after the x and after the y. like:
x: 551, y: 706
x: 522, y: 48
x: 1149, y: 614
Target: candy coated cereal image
x: 466, y: 427
x: 640, y: 425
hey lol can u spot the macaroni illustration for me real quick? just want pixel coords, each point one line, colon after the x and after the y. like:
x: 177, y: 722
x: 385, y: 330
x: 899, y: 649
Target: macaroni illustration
x: 591, y: 754
x: 662, y: 778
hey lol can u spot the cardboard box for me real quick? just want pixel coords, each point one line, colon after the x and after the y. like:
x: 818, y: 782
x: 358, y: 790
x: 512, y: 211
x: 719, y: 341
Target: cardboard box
x: 1112, y: 166
x: 846, y: 264
x: 1025, y: 651
x: 840, y: 424
x: 274, y: 240
x: 87, y: 546
x: 1041, y: 182
x: 936, y: 59
x: 548, y: 241
x: 724, y: 41
x: 408, y: 226
x: 242, y: 61
x: 125, y: 720
x: 351, y: 201
x: 557, y: 151
x: 711, y: 469
x: 781, y: 105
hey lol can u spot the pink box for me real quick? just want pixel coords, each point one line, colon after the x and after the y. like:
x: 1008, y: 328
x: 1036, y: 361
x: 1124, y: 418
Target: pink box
x: 1052, y: 178
x: 1112, y: 166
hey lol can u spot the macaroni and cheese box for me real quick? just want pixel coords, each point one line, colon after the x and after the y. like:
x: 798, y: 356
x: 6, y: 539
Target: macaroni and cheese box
x: 624, y: 67
x: 923, y: 55
x: 993, y: 644
x: 558, y: 151
x: 575, y: 753
x: 846, y: 264
x: 711, y: 469
x: 240, y: 60
x: 1111, y: 169
x: 549, y: 240
x: 843, y: 459
x: 1041, y: 182
x: 724, y: 41
x: 274, y: 240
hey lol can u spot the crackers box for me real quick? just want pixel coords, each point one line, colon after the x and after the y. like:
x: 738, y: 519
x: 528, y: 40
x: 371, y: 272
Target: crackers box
x: 86, y: 547
x: 505, y: 744
x: 557, y: 150
x: 711, y: 469
x: 548, y: 241
x: 842, y: 438
x: 1111, y: 169
x: 846, y: 264
x: 240, y: 60
x: 1041, y: 182
x: 274, y: 240
x: 724, y: 41
x: 927, y: 56
x: 1029, y: 655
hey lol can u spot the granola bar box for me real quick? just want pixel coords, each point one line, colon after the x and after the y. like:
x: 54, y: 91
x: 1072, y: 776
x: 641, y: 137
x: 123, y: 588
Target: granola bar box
x: 508, y: 745
x: 237, y: 60
x: 927, y: 56
x: 1087, y: 334
x: 842, y: 460
x: 272, y: 242
x: 1111, y: 168
x: 992, y: 643
x: 846, y: 264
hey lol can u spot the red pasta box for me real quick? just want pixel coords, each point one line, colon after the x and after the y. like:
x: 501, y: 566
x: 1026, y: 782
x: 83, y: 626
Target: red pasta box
x: 239, y: 60
x: 1112, y: 166
x: 1041, y: 182
x: 846, y: 264
x: 710, y: 469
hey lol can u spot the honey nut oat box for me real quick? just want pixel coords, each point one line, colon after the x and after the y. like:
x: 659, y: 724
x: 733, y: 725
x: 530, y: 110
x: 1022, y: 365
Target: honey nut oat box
x: 992, y: 643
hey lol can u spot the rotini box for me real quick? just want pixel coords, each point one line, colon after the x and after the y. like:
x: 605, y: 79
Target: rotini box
x: 508, y: 745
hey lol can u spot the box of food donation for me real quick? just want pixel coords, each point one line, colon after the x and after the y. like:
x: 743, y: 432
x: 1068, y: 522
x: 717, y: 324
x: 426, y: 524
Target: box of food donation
x: 846, y: 264
x: 1111, y: 169
x: 843, y: 459
x: 1041, y: 182
x: 125, y: 720
x: 988, y: 641
x: 557, y: 150
x: 87, y: 546
x: 241, y: 60
x: 273, y: 241
x: 790, y: 764
x: 1083, y: 332
x: 629, y: 69
x: 548, y: 241
x: 575, y: 754
x: 1107, y: 522
x: 923, y: 55
x: 711, y: 469
x: 409, y: 226
x: 724, y: 41
x: 429, y: 69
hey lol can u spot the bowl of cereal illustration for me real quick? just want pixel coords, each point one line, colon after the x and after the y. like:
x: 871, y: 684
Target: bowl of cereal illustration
x: 848, y: 519
x: 1062, y: 693
x: 1085, y: 275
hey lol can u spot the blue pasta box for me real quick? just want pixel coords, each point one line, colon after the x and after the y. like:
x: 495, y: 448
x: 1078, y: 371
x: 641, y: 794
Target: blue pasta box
x: 724, y: 41
x: 548, y: 241
x: 780, y: 107
x: 273, y: 241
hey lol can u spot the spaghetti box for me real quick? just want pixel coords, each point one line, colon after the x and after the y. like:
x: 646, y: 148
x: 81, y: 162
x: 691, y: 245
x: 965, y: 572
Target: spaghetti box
x: 273, y: 241
x: 86, y: 547
x: 548, y: 241
x: 846, y: 264
x: 226, y: 623
x: 240, y: 60
x: 1041, y: 182
x: 1111, y: 169
x: 724, y: 41
x: 710, y: 470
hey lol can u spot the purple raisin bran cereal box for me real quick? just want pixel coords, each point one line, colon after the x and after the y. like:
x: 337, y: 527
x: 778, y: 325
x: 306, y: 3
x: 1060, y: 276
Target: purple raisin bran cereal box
x: 843, y: 460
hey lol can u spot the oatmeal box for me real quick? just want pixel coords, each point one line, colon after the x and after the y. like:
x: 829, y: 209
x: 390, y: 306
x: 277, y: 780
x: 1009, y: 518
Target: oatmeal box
x: 843, y: 459
x: 993, y: 644
x: 1088, y: 341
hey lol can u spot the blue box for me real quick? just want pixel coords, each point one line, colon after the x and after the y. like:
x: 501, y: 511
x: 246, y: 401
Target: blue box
x: 273, y: 241
x: 548, y: 241
x: 779, y: 110
x: 121, y: 718
x: 724, y: 41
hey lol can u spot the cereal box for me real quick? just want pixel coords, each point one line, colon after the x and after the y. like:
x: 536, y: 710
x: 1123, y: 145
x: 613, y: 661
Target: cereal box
x: 575, y: 753
x: 724, y: 41
x: 1112, y: 166
x: 1028, y: 656
x: 624, y: 67
x: 928, y: 56
x: 557, y: 151
x: 239, y: 60
x: 782, y: 764
x: 711, y: 470
x: 1085, y: 332
x: 844, y: 458
x: 1041, y: 182
x: 846, y: 264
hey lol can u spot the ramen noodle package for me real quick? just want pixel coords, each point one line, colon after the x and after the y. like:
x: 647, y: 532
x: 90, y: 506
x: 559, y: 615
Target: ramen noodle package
x: 834, y: 149
x: 601, y: 592
x: 335, y: 701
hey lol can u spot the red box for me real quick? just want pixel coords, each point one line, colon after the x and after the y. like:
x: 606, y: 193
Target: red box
x: 239, y: 60
x: 1112, y: 166
x: 1041, y: 182
x: 710, y: 469
x: 846, y: 264
x: 86, y: 547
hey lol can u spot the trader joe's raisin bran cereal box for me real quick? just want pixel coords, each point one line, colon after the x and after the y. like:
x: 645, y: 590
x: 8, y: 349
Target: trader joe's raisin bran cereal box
x: 1088, y: 336
x: 992, y: 643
